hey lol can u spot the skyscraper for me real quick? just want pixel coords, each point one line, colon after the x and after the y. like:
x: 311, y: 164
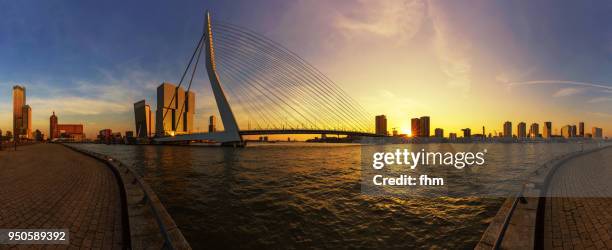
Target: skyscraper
x: 381, y: 125
x: 573, y: 131
x: 142, y: 115
x: 53, y: 131
x: 566, y: 131
x: 439, y: 133
x: 415, y: 127
x: 547, y: 130
x: 581, y: 129
x: 597, y: 132
x: 19, y: 100
x: 467, y: 133
x: 212, y: 124
x: 26, y: 127
x: 534, y: 130
x: 175, y: 110
x: 424, y: 126
x: 521, y: 130
x: 508, y: 129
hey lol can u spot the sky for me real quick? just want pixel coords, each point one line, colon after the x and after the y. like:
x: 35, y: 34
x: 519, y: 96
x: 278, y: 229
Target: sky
x: 463, y: 63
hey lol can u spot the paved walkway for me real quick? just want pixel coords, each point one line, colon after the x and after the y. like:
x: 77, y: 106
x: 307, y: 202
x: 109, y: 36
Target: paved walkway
x: 580, y: 223
x: 50, y: 186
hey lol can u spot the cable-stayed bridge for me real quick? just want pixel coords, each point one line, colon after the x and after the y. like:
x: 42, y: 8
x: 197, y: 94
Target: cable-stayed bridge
x: 271, y: 90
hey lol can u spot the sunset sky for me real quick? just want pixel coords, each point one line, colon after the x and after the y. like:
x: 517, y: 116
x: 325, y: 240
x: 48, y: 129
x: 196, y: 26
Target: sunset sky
x: 464, y: 65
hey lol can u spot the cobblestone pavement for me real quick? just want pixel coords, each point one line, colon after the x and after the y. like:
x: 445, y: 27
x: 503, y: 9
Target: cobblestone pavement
x: 51, y: 186
x: 573, y: 222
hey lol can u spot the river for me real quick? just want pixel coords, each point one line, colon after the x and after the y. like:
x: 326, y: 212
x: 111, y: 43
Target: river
x: 308, y: 195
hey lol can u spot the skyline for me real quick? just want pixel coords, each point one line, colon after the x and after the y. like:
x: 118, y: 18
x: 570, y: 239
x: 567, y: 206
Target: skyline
x: 437, y: 63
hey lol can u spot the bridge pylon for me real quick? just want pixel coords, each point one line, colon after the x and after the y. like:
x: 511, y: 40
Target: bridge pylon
x: 231, y: 133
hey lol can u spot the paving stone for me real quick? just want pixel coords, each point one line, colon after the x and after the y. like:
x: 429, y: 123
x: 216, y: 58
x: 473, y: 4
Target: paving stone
x: 51, y: 186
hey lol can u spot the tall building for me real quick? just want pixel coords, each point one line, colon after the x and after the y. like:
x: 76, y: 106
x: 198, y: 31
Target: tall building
x: 508, y: 129
x: 415, y: 127
x: 597, y: 132
x: 547, y: 130
x: 424, y: 126
x: 521, y: 130
x: 53, y: 131
x: 566, y: 131
x: 19, y: 100
x: 581, y: 129
x: 381, y: 125
x: 212, y: 124
x: 142, y: 117
x: 175, y: 110
x: 573, y: 131
x: 534, y: 130
x: 26, y: 127
x: 439, y: 133
x: 467, y: 133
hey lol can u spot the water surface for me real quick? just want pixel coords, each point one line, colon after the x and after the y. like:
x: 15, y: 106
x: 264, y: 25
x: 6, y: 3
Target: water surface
x: 301, y: 195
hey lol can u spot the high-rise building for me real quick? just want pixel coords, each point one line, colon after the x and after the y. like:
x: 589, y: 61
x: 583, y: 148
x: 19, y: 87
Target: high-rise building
x: 19, y: 100
x: 142, y: 115
x: 467, y: 133
x: 381, y: 125
x: 439, y: 133
x: 534, y: 130
x: 212, y: 124
x: 175, y: 110
x: 26, y: 127
x: 452, y: 136
x: 597, y: 132
x: 581, y: 129
x: 53, y: 131
x: 547, y: 130
x: 566, y: 131
x: 415, y: 127
x: 508, y: 129
x: 521, y: 130
x: 573, y: 131
x: 424, y: 126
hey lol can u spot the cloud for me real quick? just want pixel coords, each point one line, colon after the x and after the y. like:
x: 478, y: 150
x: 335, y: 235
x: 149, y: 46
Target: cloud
x: 567, y: 92
x: 605, y: 87
x: 601, y: 114
x: 76, y: 106
x: 600, y: 100
x: 387, y: 18
x: 452, y: 48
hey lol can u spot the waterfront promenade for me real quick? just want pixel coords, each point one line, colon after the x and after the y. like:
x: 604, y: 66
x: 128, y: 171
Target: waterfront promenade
x: 51, y: 186
x: 571, y: 222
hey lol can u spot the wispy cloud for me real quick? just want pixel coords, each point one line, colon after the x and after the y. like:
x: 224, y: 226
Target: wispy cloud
x: 601, y: 114
x: 453, y: 50
x: 76, y: 106
x: 388, y: 18
x: 607, y: 87
x: 567, y: 92
x: 600, y: 100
